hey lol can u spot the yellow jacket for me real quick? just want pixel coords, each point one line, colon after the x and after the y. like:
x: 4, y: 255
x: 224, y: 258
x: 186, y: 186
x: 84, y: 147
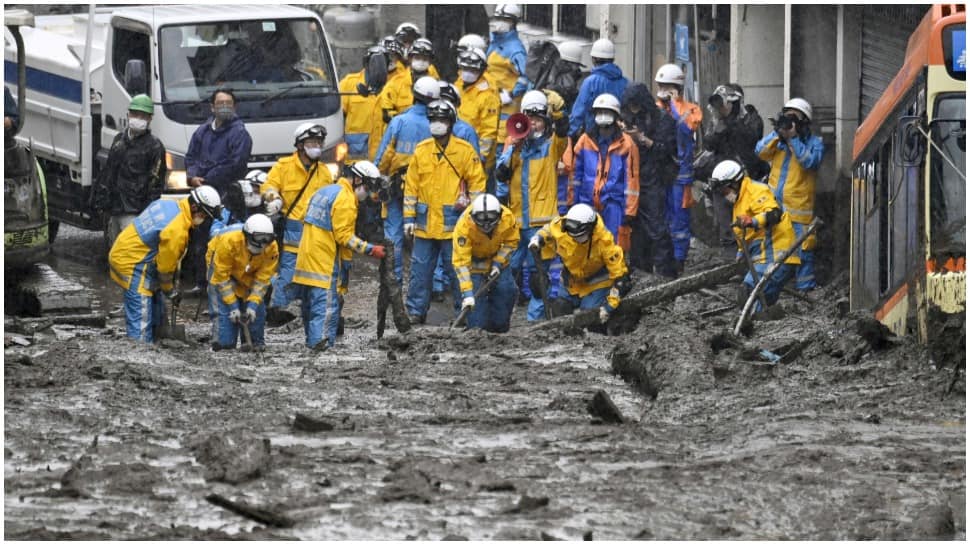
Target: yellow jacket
x: 595, y: 264
x: 328, y: 230
x: 361, y: 117
x: 534, y: 167
x: 794, y: 167
x: 286, y: 179
x: 480, y: 105
x: 147, y: 252
x: 396, y: 95
x: 235, y: 272
x: 474, y: 252
x: 755, y: 200
x: 432, y: 185
x: 503, y: 74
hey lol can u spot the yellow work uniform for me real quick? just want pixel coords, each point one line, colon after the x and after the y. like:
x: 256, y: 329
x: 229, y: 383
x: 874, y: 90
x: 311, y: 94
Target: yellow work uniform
x: 504, y: 75
x: 155, y: 240
x: 589, y: 266
x: 794, y: 168
x: 361, y: 117
x: 432, y: 185
x: 755, y: 199
x: 236, y: 273
x: 396, y: 96
x: 286, y: 179
x: 535, y: 167
x: 328, y: 230
x: 475, y: 252
x: 480, y: 106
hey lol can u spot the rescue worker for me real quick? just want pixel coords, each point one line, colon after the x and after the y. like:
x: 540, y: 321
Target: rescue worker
x: 328, y: 229
x: 403, y: 135
x: 761, y: 224
x: 480, y: 102
x: 568, y: 73
x: 734, y: 135
x: 486, y: 235
x: 605, y: 78
x: 680, y: 198
x: 471, y: 41
x: 146, y: 256
x: 241, y: 260
x: 607, y: 170
x: 287, y: 190
x: 362, y: 116
x: 594, y: 268
x: 526, y: 176
x: 467, y: 133
x: 395, y: 97
x: 218, y: 155
x: 407, y: 34
x: 443, y: 177
x: 252, y: 201
x: 795, y: 155
x: 420, y: 58
x: 655, y: 134
x: 134, y: 174
x: 506, y: 58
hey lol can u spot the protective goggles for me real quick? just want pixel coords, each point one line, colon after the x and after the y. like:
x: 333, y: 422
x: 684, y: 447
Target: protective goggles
x: 575, y: 228
x: 487, y: 218
x: 316, y: 131
x: 261, y: 239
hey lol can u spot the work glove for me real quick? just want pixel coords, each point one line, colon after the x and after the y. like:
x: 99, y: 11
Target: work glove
x: 274, y: 206
x: 234, y: 315
x: 503, y: 173
x: 173, y: 295
x: 468, y: 302
x: 378, y: 251
x: 505, y: 96
x: 409, y: 230
x: 743, y: 221
x: 496, y: 270
x: 556, y: 104
x: 604, y: 315
x: 535, y: 243
x: 688, y: 200
x: 561, y: 126
x: 250, y: 315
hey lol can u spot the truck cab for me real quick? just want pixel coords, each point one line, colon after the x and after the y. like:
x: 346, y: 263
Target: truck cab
x: 276, y: 59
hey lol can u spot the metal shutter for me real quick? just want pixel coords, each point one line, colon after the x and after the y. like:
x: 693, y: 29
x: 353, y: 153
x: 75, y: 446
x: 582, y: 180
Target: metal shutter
x: 885, y: 33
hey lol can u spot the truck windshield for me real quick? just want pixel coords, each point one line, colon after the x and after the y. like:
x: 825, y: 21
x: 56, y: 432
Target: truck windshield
x: 948, y: 189
x: 257, y: 59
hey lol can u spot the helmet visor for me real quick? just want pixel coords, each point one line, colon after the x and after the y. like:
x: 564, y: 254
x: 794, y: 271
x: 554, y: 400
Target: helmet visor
x: 576, y: 228
x: 487, y: 219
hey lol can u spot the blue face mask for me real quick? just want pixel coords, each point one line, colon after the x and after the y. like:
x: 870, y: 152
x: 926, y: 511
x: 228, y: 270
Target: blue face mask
x: 224, y: 113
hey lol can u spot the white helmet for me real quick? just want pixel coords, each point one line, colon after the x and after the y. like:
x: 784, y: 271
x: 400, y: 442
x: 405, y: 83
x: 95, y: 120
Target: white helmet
x: 258, y: 232
x: 206, y: 198
x: 486, y: 212
x: 801, y: 105
x: 607, y: 101
x: 407, y: 31
x: 535, y: 103
x: 251, y: 196
x: 726, y: 173
x: 426, y: 89
x: 471, y: 41
x: 309, y: 130
x: 571, y: 51
x: 366, y: 170
x: 580, y: 220
x: 448, y: 91
x: 508, y: 11
x: 255, y: 176
x: 670, y: 73
x: 603, y: 49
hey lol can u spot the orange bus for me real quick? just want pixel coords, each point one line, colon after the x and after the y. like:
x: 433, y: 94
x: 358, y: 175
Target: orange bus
x: 908, y: 208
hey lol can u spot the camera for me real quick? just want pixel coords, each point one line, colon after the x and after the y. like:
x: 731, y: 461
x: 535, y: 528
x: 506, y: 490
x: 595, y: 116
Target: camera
x: 783, y: 122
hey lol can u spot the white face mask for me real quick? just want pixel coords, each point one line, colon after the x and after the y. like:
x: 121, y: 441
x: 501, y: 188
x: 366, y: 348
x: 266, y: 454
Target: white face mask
x: 667, y: 94
x: 604, y: 119
x: 468, y: 76
x: 731, y: 197
x: 137, y: 124
x: 360, y: 192
x: 255, y: 250
x: 420, y: 65
x: 313, y: 153
x: 499, y: 27
x: 438, y: 128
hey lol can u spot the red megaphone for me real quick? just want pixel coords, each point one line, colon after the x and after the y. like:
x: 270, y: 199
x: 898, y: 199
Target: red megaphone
x: 518, y: 126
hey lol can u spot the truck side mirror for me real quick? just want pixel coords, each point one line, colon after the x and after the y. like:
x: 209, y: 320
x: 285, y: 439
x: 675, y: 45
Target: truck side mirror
x: 375, y: 73
x: 136, y: 77
x: 910, y: 141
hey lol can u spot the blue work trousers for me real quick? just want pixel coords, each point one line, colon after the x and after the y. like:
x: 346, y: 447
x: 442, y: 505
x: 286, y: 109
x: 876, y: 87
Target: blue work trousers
x: 424, y: 257
x: 284, y: 290
x: 143, y: 314
x: 805, y: 275
x: 678, y: 220
x: 594, y: 299
x: 775, y: 283
x: 320, y: 309
x: 493, y: 310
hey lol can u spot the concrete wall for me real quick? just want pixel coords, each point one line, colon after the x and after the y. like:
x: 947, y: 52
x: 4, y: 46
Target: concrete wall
x: 758, y: 55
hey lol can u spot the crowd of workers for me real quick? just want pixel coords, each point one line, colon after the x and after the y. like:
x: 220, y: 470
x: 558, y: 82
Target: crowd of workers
x: 499, y: 191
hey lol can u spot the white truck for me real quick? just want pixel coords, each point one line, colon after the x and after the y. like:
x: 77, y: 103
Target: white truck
x: 83, y: 69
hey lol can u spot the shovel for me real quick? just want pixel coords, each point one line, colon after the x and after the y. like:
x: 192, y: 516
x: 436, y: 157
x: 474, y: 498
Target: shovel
x: 173, y: 330
x: 482, y: 290
x: 543, y: 281
x: 248, y: 347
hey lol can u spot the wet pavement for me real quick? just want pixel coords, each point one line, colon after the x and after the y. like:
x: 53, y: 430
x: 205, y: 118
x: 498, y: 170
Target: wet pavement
x: 449, y: 434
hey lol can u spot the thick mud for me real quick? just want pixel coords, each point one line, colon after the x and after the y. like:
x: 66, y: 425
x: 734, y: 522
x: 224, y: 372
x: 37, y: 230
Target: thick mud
x: 448, y: 434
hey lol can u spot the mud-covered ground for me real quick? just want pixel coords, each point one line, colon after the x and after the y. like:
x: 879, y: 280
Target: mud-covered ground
x: 446, y: 434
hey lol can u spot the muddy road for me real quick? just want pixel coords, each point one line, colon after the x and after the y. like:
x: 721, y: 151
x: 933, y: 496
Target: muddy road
x: 456, y: 435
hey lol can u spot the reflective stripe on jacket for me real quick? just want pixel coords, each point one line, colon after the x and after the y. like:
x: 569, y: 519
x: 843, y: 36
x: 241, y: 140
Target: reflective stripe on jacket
x: 475, y: 252
x: 533, y: 188
x: 614, y: 177
x: 360, y: 115
x: 755, y: 200
x: 286, y: 179
x: 403, y: 134
x: 480, y: 105
x: 147, y: 252
x: 432, y: 185
x: 589, y: 266
x: 237, y: 274
x: 793, y: 172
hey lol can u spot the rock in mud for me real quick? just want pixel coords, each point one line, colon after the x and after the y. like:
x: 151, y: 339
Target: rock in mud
x: 876, y: 334
x: 303, y: 422
x: 85, y: 478
x: 527, y: 504
x: 630, y: 366
x: 233, y: 457
x: 602, y: 407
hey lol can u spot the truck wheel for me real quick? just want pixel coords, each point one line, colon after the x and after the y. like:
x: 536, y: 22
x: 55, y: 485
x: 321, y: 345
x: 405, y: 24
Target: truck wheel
x: 52, y: 227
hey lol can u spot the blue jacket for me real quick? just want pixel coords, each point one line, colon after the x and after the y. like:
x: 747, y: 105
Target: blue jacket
x: 467, y: 133
x: 605, y: 78
x: 510, y: 46
x: 221, y: 156
x: 406, y: 130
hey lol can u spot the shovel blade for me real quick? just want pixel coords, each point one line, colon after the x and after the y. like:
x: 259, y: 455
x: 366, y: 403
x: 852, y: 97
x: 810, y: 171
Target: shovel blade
x: 176, y: 332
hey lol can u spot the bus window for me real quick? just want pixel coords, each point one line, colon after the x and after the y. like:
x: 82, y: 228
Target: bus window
x: 947, y: 185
